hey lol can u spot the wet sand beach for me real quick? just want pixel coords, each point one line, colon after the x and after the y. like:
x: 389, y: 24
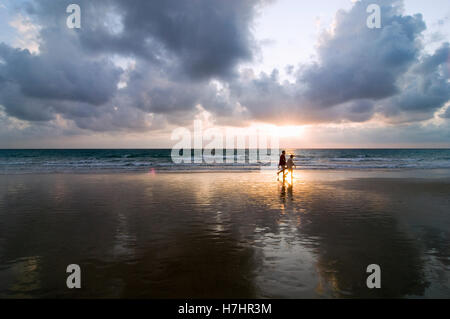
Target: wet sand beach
x: 225, y: 234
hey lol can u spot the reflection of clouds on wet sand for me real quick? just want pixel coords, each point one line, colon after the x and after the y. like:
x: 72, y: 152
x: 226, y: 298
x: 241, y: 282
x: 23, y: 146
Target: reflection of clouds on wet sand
x: 419, y: 210
x: 221, y: 235
x: 352, y: 231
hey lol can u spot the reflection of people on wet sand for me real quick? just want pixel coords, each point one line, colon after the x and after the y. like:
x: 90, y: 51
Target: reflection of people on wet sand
x: 283, y: 192
x: 282, y: 165
x: 286, y: 191
x: 290, y: 192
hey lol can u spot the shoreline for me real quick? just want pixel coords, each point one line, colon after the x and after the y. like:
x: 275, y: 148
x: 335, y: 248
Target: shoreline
x: 421, y: 173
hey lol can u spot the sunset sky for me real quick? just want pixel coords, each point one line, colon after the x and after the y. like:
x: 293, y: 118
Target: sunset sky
x: 310, y: 71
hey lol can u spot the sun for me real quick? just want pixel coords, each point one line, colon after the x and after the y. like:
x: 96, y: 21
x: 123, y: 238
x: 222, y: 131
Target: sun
x: 281, y: 130
x: 292, y: 131
x: 286, y: 131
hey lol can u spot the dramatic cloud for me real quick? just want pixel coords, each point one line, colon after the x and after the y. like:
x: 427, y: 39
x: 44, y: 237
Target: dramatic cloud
x: 142, y: 65
x: 207, y: 38
x: 360, y: 72
x: 60, y: 75
x: 424, y: 89
x: 176, y: 48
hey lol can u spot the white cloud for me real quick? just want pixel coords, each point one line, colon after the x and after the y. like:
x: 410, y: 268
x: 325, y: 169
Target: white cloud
x: 28, y: 33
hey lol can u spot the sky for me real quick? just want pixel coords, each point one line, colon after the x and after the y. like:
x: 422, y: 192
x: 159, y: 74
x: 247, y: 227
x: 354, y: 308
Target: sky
x: 311, y: 72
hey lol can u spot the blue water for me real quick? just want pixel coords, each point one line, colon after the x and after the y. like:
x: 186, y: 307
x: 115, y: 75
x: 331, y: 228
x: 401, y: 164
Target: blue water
x: 17, y: 161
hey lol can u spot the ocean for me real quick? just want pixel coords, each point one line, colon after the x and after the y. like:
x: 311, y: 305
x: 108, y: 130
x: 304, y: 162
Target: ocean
x: 89, y: 160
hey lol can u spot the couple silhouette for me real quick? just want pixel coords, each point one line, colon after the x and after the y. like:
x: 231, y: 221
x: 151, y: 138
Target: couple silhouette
x: 286, y: 167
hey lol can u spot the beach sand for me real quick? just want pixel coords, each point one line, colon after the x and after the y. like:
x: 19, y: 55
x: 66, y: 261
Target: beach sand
x: 225, y: 234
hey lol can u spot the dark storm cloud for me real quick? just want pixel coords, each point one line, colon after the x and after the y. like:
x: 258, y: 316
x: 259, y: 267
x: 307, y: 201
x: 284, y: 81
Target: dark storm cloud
x: 178, y: 46
x: 39, y: 85
x: 22, y: 107
x: 207, y: 38
x: 361, y: 63
x: 60, y: 74
x: 425, y: 89
x: 210, y: 37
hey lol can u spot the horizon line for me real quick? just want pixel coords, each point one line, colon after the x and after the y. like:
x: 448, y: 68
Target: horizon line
x: 287, y: 148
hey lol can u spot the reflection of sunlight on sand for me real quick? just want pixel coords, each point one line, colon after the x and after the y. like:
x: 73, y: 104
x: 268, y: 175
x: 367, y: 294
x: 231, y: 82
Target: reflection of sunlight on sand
x: 288, y: 266
x: 289, y: 178
x: 275, y: 219
x: 327, y: 284
x: 124, y: 240
x: 219, y: 226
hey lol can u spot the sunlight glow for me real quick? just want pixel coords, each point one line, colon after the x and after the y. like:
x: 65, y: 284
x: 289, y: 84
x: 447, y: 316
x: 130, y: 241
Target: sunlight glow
x: 283, y: 131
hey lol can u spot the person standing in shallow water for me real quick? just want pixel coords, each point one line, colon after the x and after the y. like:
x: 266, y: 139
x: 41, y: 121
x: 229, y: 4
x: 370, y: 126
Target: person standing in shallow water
x: 282, y: 164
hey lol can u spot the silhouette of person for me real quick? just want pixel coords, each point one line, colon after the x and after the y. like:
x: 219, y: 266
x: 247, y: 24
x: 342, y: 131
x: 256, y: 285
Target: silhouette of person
x: 282, y: 164
x: 290, y: 166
